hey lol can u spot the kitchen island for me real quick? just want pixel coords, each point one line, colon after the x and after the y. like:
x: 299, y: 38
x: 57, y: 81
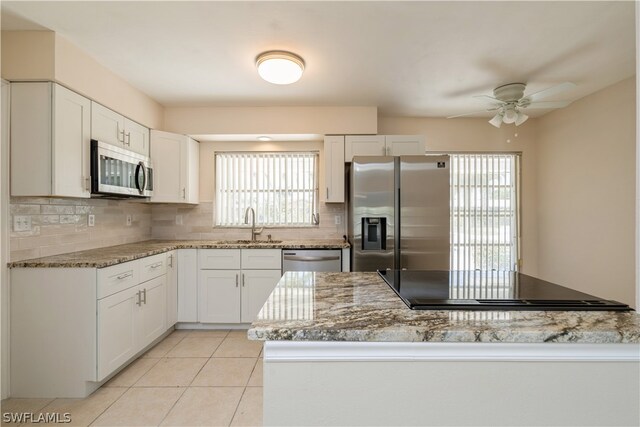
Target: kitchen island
x: 343, y: 349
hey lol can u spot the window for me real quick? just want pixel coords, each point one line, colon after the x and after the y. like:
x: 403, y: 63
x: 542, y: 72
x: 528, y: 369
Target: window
x: 484, y: 214
x: 282, y: 188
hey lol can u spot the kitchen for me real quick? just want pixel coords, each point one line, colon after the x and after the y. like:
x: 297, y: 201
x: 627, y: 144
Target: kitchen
x: 564, y: 158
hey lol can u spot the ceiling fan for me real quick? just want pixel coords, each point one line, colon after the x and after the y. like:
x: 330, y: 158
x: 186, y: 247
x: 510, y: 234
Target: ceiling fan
x: 509, y: 101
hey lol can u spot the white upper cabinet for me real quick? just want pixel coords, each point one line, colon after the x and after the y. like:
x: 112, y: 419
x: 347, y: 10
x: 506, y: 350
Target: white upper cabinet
x: 404, y: 145
x: 364, y: 145
x: 334, y: 168
x: 115, y: 129
x: 50, y: 141
x: 383, y: 145
x: 106, y: 125
x: 136, y: 137
x: 175, y: 167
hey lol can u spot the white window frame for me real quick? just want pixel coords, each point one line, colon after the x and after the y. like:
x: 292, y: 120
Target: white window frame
x: 268, y: 193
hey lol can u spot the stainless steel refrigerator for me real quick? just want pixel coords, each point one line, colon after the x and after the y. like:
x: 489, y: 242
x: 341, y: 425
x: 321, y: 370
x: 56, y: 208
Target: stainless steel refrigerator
x: 399, y: 213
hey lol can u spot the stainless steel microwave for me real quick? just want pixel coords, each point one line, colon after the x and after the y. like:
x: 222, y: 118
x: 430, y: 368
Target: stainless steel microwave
x: 117, y: 172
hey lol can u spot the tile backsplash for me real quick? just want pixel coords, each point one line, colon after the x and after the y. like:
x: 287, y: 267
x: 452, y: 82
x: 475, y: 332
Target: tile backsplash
x: 61, y: 225
x: 197, y: 223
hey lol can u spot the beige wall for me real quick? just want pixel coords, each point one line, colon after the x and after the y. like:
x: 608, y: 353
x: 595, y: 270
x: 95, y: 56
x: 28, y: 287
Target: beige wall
x: 271, y: 120
x: 198, y: 220
x: 44, y: 55
x: 28, y: 55
x: 476, y: 135
x: 586, y: 194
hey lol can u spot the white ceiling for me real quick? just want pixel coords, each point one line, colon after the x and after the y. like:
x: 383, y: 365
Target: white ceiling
x: 407, y: 58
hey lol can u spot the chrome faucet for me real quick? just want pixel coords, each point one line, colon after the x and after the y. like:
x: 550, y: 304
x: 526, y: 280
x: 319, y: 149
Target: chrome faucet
x: 254, y: 232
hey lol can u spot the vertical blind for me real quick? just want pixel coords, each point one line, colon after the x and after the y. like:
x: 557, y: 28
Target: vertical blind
x: 484, y: 223
x: 282, y: 187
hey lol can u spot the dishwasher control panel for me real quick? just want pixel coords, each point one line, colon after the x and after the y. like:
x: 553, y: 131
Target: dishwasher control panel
x: 311, y: 260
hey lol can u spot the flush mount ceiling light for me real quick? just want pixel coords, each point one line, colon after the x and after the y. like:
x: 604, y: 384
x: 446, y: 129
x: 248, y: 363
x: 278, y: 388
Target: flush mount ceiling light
x: 280, y: 67
x: 264, y: 138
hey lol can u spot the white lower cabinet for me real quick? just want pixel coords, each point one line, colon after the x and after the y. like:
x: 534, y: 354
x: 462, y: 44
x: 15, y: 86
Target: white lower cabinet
x: 128, y: 321
x: 257, y: 285
x: 219, y: 296
x: 172, y: 288
x: 235, y: 295
x: 188, y: 285
x: 117, y: 341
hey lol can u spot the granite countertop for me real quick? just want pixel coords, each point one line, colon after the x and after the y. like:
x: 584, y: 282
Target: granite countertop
x: 362, y: 307
x: 111, y: 255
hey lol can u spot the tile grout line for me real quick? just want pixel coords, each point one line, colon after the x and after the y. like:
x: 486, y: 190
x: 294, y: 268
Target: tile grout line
x: 189, y: 385
x: 110, y: 405
x: 244, y: 390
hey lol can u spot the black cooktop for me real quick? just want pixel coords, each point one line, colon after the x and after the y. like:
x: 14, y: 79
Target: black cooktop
x: 488, y: 290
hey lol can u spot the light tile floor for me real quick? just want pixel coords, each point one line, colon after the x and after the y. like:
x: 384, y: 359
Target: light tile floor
x: 191, y: 378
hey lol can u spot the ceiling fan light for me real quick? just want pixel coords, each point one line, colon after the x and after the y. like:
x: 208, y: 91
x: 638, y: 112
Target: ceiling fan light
x: 521, y: 118
x: 510, y: 115
x: 280, y: 67
x: 496, y: 120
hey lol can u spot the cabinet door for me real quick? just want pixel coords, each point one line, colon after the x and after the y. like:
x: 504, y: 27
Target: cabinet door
x: 334, y: 168
x: 106, y: 125
x: 117, y: 337
x: 405, y: 145
x: 71, y: 143
x: 188, y: 285
x: 219, y: 296
x: 172, y: 288
x: 166, y: 153
x: 136, y: 137
x: 191, y: 191
x: 363, y: 145
x: 31, y: 138
x: 153, y: 310
x: 257, y: 285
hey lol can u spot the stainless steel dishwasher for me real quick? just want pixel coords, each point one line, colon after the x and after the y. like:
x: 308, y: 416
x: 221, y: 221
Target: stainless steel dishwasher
x: 311, y: 260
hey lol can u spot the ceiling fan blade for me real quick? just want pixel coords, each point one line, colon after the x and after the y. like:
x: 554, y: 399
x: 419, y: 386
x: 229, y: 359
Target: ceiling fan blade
x: 475, y: 112
x: 553, y: 90
x: 488, y: 98
x: 552, y: 104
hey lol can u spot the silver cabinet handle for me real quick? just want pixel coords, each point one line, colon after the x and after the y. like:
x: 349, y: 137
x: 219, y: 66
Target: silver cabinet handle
x: 124, y: 276
x: 129, y: 139
x: 87, y: 183
x: 139, y: 301
x: 120, y: 132
x: 236, y: 280
x: 171, y: 260
x: 144, y: 296
x: 184, y: 193
x: 243, y: 280
x: 311, y: 258
x: 327, y: 192
x: 156, y: 265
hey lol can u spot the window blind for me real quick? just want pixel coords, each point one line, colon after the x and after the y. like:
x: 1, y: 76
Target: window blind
x: 281, y: 187
x: 484, y: 225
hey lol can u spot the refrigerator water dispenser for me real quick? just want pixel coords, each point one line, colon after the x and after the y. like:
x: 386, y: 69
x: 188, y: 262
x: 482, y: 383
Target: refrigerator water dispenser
x: 374, y: 233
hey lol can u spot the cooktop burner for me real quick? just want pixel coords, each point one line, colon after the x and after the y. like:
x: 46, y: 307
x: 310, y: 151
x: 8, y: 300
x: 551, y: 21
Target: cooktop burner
x: 488, y: 290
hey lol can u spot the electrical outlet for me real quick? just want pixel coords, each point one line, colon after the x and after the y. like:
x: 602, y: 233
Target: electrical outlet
x: 21, y: 223
x: 178, y: 219
x: 128, y: 220
x: 92, y: 220
x: 338, y: 219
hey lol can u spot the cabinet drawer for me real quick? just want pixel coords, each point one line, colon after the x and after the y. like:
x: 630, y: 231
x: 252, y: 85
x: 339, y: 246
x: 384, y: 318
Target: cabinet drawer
x: 261, y: 259
x: 152, y: 266
x: 117, y: 278
x: 219, y: 259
